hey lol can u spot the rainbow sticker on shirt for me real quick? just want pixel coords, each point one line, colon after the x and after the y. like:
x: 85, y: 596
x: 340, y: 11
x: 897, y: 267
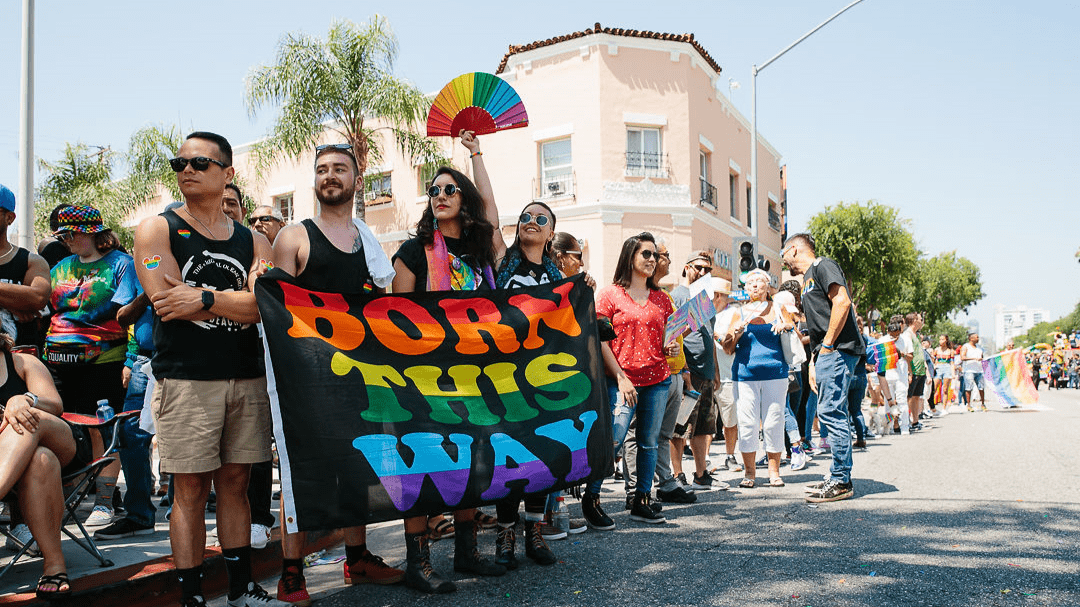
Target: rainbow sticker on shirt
x: 269, y: 265
x: 152, y: 263
x: 184, y: 233
x: 809, y: 286
x: 462, y: 276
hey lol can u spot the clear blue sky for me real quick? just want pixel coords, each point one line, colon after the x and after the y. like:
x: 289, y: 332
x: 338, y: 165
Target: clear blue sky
x: 961, y: 113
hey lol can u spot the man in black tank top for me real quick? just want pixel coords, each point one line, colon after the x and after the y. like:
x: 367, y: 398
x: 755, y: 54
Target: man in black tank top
x: 24, y: 282
x: 210, y: 404
x: 328, y: 254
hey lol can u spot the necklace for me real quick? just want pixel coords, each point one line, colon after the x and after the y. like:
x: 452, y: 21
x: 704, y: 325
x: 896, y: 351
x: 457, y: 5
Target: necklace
x: 212, y: 234
x: 11, y: 248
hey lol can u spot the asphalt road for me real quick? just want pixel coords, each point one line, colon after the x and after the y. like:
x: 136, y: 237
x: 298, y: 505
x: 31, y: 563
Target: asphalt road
x: 979, y: 509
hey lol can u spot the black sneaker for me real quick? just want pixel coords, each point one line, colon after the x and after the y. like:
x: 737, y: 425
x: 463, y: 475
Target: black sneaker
x: 195, y: 601
x: 831, y: 491
x: 916, y: 426
x: 656, y: 506
x: 682, y: 480
x: 122, y: 528
x: 703, y: 482
x: 594, y: 515
x: 675, y: 496
x: 643, y: 512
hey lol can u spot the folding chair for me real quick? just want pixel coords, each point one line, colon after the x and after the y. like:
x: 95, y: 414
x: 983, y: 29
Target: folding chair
x: 77, y: 485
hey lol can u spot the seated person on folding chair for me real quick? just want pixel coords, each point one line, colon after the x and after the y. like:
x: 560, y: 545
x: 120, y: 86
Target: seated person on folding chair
x: 35, y: 445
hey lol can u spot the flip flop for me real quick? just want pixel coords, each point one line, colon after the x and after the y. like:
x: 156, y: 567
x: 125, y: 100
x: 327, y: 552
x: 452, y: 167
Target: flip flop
x: 776, y: 482
x: 747, y: 483
x: 484, y: 520
x: 56, y: 581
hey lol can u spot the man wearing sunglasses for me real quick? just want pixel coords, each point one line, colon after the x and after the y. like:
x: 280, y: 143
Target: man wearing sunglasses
x: 266, y: 221
x: 699, y: 426
x: 210, y: 403
x: 333, y: 253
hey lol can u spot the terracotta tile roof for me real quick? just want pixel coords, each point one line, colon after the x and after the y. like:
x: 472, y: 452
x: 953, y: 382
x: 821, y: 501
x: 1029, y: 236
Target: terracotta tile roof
x: 615, y: 31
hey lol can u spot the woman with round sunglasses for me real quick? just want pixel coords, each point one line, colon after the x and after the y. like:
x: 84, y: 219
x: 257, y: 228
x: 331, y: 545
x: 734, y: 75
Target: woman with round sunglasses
x: 455, y: 247
x: 528, y: 262
x: 638, y: 311
x: 760, y: 372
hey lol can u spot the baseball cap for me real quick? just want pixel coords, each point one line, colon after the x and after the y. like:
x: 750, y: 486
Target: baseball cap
x: 7, y: 198
x: 80, y: 219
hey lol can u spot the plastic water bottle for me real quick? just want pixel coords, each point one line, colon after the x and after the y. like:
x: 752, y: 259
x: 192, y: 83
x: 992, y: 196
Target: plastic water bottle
x: 561, y: 517
x: 104, y: 411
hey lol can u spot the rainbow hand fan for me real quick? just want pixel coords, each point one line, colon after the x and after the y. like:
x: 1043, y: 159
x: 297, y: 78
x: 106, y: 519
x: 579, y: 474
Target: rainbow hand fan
x: 477, y: 102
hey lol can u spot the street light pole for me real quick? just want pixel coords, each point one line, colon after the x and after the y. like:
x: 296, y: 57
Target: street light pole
x: 25, y: 202
x: 753, y: 113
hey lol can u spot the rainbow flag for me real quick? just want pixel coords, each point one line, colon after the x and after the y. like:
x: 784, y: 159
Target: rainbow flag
x: 883, y: 354
x: 1009, y: 377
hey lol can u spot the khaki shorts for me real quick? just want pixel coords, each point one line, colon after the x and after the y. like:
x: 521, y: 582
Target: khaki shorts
x: 725, y: 395
x: 203, y: 424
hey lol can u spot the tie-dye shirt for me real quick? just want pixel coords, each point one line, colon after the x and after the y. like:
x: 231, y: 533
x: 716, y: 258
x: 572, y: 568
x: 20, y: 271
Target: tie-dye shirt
x: 85, y: 299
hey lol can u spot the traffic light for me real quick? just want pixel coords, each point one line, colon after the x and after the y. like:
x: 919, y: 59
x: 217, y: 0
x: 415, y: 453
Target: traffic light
x: 748, y: 257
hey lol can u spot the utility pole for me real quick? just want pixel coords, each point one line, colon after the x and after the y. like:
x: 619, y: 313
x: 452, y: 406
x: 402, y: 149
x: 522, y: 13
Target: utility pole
x: 25, y: 202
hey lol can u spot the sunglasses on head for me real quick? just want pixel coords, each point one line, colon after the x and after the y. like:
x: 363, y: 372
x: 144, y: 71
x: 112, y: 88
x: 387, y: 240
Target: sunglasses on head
x: 449, y: 188
x: 541, y: 220
x: 254, y: 220
x: 199, y: 163
x: 333, y: 146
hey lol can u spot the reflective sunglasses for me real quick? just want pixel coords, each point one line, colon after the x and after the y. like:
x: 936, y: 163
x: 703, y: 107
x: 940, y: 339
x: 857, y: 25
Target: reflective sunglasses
x: 65, y: 236
x: 449, y: 188
x: 199, y: 163
x: 333, y: 146
x: 254, y: 220
x: 541, y: 220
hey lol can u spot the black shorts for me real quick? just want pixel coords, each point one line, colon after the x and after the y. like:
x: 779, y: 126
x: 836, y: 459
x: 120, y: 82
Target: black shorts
x: 917, y: 386
x: 84, y: 450
x: 702, y: 419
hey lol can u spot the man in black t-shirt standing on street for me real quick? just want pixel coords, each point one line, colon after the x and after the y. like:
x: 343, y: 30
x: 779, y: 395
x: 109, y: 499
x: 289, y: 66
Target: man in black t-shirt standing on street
x: 210, y: 404
x: 836, y: 346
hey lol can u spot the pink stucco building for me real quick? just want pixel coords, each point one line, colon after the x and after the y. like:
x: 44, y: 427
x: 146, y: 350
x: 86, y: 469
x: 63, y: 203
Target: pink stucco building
x: 628, y: 132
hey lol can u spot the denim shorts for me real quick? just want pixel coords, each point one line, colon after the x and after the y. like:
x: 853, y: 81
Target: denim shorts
x: 973, y: 380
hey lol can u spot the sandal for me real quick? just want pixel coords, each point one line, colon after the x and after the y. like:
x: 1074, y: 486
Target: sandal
x: 776, y: 482
x: 439, y: 528
x: 747, y: 483
x: 59, y: 583
x: 484, y: 520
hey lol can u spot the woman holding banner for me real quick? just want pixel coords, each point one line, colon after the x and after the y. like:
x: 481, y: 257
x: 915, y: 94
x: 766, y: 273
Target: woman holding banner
x: 638, y: 311
x: 455, y: 247
x: 761, y: 376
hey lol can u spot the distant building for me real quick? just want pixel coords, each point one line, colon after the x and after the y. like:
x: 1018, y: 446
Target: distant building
x: 1010, y: 322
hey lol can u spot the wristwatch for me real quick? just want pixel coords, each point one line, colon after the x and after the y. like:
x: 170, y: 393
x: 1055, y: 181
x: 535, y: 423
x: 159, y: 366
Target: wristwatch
x: 207, y: 300
x: 33, y: 400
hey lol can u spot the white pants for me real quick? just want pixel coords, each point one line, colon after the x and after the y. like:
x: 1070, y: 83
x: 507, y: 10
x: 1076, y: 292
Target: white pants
x: 898, y: 392
x: 761, y: 404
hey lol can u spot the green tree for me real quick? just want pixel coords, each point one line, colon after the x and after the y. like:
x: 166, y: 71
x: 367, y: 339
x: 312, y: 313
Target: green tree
x: 339, y: 84
x: 1040, y: 333
x: 939, y: 286
x: 873, y: 246
x: 957, y: 333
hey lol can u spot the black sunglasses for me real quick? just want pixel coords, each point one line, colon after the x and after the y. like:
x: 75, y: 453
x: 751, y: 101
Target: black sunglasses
x: 254, y: 220
x: 65, y: 236
x: 702, y: 268
x: 541, y: 220
x: 449, y: 188
x: 199, y: 163
x: 648, y: 254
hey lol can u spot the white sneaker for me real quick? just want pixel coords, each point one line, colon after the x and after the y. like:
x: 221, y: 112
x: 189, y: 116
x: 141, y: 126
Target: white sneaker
x: 22, y: 533
x: 260, y: 535
x: 256, y: 597
x: 798, y: 459
x: 99, y: 517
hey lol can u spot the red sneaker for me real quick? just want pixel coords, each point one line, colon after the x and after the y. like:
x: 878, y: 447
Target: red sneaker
x: 292, y: 588
x: 371, y: 569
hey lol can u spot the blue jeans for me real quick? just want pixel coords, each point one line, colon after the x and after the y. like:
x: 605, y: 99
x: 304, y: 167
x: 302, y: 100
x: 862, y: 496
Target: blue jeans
x: 135, y: 454
x: 854, y: 399
x: 790, y: 424
x: 833, y: 372
x: 651, y: 404
x: 808, y: 419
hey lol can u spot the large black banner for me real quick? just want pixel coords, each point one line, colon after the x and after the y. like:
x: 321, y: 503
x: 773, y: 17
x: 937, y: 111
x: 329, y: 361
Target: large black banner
x: 391, y: 406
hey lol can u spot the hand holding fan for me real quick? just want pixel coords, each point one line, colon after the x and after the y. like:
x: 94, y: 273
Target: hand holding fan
x: 477, y: 102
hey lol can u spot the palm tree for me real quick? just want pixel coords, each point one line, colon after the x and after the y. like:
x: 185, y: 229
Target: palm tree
x: 339, y: 84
